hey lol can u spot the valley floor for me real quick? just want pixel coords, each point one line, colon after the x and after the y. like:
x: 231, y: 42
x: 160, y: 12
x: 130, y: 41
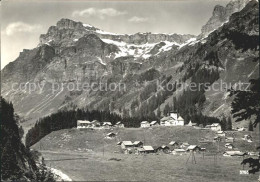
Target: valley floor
x: 85, y: 155
x: 163, y: 167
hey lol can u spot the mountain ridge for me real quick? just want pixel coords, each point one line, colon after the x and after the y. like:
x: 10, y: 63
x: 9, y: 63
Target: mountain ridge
x: 96, y: 58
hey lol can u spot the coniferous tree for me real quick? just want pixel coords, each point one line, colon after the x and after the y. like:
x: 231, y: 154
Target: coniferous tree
x: 159, y: 112
x: 224, y: 124
x: 229, y: 124
x: 250, y: 126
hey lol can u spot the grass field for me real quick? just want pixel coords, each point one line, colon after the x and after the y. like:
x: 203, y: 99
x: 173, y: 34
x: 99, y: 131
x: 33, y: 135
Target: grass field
x: 86, y: 156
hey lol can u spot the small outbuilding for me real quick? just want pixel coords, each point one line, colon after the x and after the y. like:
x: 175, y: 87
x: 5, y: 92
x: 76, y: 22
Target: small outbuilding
x: 174, y: 143
x: 107, y: 125
x: 126, y: 144
x: 145, y: 124
x: 138, y: 144
x: 193, y: 148
x: 148, y: 149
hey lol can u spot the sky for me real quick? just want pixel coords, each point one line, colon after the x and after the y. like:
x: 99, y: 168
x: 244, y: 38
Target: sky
x: 22, y: 22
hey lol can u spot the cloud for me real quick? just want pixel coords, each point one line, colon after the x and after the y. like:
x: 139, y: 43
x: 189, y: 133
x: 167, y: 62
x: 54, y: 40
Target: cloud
x: 17, y: 27
x: 136, y: 19
x: 100, y: 13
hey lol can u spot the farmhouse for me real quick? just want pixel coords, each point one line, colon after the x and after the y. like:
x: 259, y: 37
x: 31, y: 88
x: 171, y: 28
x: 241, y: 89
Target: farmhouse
x: 180, y: 121
x: 184, y: 145
x: 107, y: 125
x: 145, y: 124
x: 154, y: 123
x: 148, y: 149
x: 173, y: 143
x: 138, y: 144
x: 119, y: 124
x: 95, y: 123
x: 193, y: 148
x: 83, y: 124
x: 216, y: 127
x: 126, y: 144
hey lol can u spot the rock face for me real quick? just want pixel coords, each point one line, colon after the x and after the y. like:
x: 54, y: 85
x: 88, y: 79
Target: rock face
x: 221, y: 15
x: 76, y: 53
x: 67, y: 31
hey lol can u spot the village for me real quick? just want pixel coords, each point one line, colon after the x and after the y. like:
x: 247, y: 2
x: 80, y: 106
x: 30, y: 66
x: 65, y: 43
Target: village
x: 173, y: 147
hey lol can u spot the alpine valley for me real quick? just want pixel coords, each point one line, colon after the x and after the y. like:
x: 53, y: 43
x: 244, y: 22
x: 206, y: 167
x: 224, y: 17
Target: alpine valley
x: 227, y: 50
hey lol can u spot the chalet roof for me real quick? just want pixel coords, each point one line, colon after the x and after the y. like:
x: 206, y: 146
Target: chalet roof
x: 129, y: 143
x: 145, y: 122
x: 164, y: 146
x: 180, y: 118
x: 119, y: 122
x: 148, y: 148
x: 95, y: 121
x: 192, y: 147
x: 111, y: 133
x: 84, y: 121
x: 119, y: 143
x: 137, y: 142
x: 153, y: 122
x: 185, y: 143
x: 173, y: 142
x: 166, y: 118
x: 215, y: 124
x: 107, y: 123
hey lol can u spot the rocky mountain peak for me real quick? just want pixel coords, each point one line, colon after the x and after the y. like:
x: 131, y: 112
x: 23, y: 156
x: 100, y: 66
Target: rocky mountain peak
x: 68, y: 24
x: 221, y: 15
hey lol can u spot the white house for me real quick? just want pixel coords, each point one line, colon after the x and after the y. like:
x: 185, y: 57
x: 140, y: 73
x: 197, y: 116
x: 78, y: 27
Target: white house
x: 172, y: 120
x: 83, y: 124
x: 145, y: 124
x: 180, y: 121
x: 174, y: 115
x: 214, y: 127
x: 107, y: 125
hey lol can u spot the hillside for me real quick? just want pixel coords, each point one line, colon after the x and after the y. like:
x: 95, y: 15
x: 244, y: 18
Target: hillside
x: 73, y: 53
x: 88, y: 155
x: 17, y: 162
x: 87, y: 140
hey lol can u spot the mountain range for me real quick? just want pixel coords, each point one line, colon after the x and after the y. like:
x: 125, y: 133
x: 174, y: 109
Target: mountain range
x: 227, y: 50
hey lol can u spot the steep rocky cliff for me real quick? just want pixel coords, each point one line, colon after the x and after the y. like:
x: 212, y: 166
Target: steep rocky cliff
x: 221, y: 15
